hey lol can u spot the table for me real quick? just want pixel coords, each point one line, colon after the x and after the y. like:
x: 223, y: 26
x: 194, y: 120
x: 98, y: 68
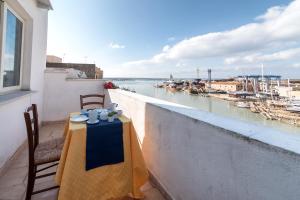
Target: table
x: 106, y: 182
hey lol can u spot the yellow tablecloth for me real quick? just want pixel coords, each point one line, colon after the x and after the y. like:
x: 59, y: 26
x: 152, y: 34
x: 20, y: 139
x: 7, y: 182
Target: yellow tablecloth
x: 102, y: 183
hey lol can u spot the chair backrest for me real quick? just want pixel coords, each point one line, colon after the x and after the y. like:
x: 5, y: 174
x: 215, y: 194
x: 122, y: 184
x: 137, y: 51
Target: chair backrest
x: 32, y: 125
x: 93, y: 102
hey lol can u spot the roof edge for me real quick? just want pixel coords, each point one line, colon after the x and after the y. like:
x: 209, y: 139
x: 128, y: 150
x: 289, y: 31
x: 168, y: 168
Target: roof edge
x: 45, y: 4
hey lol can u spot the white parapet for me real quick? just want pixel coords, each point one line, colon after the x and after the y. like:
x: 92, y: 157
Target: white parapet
x: 61, y: 95
x: 199, y: 155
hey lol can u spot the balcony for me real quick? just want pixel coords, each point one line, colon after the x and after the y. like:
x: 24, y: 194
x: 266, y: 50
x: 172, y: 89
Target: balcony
x: 13, y: 179
x: 190, y: 154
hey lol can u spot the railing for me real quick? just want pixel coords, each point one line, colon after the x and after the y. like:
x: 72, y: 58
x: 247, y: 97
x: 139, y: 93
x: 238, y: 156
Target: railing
x: 198, y: 155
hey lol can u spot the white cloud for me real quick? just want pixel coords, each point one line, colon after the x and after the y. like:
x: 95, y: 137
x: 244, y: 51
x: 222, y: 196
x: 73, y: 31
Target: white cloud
x: 170, y: 39
x: 166, y: 48
x: 279, y: 26
x: 116, y: 46
x: 258, y: 57
x: 296, y: 65
x: 271, y: 13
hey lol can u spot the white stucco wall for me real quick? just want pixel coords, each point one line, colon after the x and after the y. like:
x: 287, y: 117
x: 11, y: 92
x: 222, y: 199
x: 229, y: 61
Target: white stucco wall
x: 12, y: 126
x: 61, y: 95
x: 198, y: 155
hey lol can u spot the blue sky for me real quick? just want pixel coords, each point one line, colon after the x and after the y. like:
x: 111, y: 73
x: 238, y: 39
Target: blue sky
x: 143, y: 38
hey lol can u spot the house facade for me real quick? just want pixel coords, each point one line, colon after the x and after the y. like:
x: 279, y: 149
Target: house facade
x: 229, y: 86
x: 91, y: 71
x: 23, y: 44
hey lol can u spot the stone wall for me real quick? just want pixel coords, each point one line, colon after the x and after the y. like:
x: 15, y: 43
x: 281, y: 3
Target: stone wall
x: 89, y: 69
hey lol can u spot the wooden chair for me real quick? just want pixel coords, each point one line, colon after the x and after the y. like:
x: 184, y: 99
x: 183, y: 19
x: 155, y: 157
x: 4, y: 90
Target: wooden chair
x: 39, y: 153
x: 100, y: 102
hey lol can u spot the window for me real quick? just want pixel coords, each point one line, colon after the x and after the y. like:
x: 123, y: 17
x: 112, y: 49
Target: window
x: 11, y: 49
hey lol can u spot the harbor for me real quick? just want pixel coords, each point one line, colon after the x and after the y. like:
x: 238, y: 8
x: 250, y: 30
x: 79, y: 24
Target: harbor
x: 218, y: 103
x: 269, y: 95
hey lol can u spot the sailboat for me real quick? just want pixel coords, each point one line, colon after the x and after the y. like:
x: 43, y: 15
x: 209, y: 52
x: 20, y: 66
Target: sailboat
x: 293, y: 106
x: 243, y: 104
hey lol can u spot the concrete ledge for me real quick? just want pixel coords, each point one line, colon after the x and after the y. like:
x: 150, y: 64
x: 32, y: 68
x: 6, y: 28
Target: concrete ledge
x: 84, y: 79
x: 12, y: 96
x: 198, y: 155
x: 286, y: 142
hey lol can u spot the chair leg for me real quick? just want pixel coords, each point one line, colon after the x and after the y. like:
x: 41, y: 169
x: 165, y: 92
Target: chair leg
x: 30, y: 182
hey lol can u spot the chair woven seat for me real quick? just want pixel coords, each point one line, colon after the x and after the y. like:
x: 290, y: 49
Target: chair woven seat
x: 48, y: 151
x: 56, y: 143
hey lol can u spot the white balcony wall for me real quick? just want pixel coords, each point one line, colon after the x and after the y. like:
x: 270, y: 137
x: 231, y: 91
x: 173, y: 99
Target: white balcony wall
x: 12, y: 106
x: 62, y: 94
x: 197, y: 155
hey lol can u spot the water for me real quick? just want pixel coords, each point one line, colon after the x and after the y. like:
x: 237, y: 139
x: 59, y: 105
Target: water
x: 210, y: 104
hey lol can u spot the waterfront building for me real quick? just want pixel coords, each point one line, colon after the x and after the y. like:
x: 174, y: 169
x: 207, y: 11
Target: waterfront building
x: 98, y: 73
x: 228, y: 86
x: 289, y: 92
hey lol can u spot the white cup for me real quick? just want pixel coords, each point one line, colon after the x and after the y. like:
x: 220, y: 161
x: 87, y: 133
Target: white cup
x: 113, y: 106
x: 104, y: 115
x: 93, y: 114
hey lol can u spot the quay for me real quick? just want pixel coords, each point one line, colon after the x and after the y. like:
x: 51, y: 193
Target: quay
x: 273, y: 98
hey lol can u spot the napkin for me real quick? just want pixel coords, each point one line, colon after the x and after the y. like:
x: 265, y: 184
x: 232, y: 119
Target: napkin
x: 104, y: 144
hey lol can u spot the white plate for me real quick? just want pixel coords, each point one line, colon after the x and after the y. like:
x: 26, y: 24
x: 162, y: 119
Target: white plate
x: 79, y: 118
x: 95, y: 122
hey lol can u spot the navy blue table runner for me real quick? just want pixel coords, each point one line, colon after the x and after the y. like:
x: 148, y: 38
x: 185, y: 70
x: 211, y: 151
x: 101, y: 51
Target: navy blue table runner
x: 104, y: 144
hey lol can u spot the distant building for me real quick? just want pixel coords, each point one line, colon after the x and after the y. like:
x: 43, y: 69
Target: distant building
x: 53, y: 59
x: 228, y: 86
x: 91, y: 71
x: 99, y: 73
x: 289, y: 92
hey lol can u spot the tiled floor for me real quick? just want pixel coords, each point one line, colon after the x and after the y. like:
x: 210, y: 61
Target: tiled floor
x: 14, y: 179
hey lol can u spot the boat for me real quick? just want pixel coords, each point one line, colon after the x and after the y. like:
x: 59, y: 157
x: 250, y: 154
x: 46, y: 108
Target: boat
x: 172, y: 87
x: 159, y: 85
x: 293, y: 106
x: 243, y: 104
x: 293, y: 109
x: 179, y: 88
x: 193, y: 91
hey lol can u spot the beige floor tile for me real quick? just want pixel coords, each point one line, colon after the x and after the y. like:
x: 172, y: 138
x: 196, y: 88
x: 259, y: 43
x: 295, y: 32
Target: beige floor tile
x: 21, y: 162
x: 49, y: 195
x: 153, y: 194
x: 146, y: 187
x: 44, y: 184
x: 14, y: 192
x: 13, y: 177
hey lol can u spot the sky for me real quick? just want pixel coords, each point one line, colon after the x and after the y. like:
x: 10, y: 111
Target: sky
x: 156, y: 38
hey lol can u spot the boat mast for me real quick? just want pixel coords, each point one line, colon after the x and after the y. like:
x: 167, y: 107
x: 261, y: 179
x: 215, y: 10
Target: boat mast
x: 290, y: 95
x: 262, y: 77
